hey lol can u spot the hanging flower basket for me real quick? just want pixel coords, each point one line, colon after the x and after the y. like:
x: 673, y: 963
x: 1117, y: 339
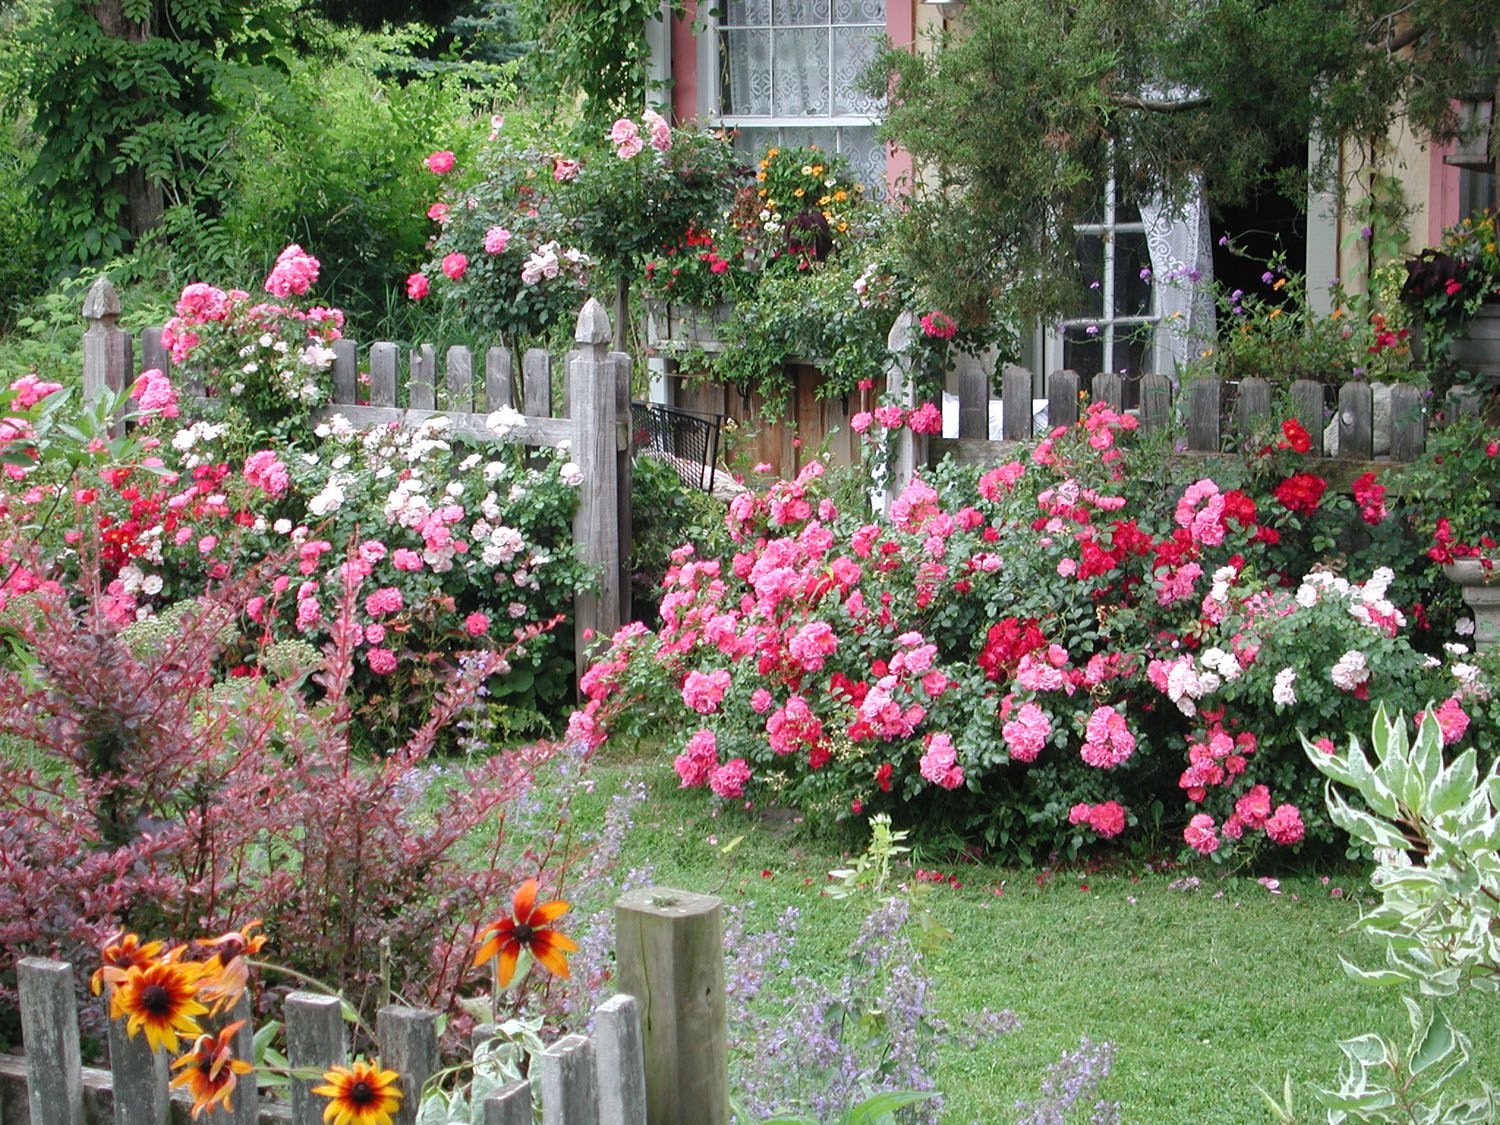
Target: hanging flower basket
x: 1481, y: 592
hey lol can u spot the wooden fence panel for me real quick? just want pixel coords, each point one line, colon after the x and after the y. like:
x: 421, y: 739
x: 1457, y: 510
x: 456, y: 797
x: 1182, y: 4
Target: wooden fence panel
x: 620, y: 1061
x: 1307, y: 408
x: 536, y: 382
x: 49, y: 1028
x: 909, y: 450
x: 1408, y: 423
x: 1015, y: 403
x: 595, y: 523
x: 1356, y: 422
x: 1109, y: 389
x: 497, y: 379
x: 383, y: 359
x: 1062, y: 399
x: 1156, y: 403
x: 345, y: 371
x: 1253, y: 411
x: 973, y: 384
x: 1203, y: 415
x: 510, y: 1105
x: 315, y: 1039
x: 421, y: 378
x: 458, y: 380
x: 139, y: 1077
x: 568, y: 1093
x: 408, y: 1045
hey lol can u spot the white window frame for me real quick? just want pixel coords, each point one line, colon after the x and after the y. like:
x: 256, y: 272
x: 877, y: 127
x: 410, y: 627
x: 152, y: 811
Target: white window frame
x: 1105, y: 231
x: 710, y: 87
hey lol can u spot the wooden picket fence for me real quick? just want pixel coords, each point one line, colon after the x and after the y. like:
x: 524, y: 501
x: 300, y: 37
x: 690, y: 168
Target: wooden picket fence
x: 1199, y: 413
x: 595, y: 419
x: 657, y: 1054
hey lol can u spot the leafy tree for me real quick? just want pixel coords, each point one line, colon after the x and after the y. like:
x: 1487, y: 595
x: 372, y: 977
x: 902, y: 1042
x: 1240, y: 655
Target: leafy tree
x: 127, y: 98
x: 1026, y: 110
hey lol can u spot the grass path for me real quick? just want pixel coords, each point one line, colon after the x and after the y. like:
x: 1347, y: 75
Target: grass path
x: 1204, y: 992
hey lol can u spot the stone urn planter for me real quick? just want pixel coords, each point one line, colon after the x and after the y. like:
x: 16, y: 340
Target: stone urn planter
x: 1481, y: 592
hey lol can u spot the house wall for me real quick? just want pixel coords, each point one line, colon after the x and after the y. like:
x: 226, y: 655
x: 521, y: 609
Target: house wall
x: 908, y: 23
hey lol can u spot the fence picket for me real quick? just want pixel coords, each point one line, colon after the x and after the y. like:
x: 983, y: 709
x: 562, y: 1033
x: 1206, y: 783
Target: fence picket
x: 246, y: 1100
x: 624, y: 454
x: 315, y: 1040
x: 1408, y: 423
x: 139, y: 1079
x: 973, y: 397
x: 909, y: 450
x: 497, y: 377
x: 1307, y: 408
x: 1015, y: 403
x: 568, y: 1094
x: 510, y: 1105
x: 383, y: 373
x: 1156, y: 403
x: 620, y: 1062
x: 1109, y: 389
x: 345, y: 371
x: 536, y: 383
x: 421, y: 378
x: 49, y: 1028
x: 408, y: 1045
x: 1203, y: 415
x: 1062, y: 399
x: 458, y: 379
x: 1356, y: 421
x: 1254, y: 407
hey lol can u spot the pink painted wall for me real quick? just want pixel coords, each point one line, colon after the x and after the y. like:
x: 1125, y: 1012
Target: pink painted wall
x: 901, y: 27
x: 1442, y: 198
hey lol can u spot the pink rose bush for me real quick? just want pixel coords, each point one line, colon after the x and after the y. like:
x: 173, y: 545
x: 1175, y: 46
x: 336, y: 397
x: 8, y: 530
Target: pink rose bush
x: 943, y: 659
x: 270, y: 358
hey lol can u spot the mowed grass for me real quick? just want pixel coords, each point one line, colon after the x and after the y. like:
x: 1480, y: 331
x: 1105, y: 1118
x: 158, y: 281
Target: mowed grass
x: 1203, y: 992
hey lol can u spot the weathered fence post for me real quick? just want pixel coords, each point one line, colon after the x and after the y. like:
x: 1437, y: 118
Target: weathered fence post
x: 458, y: 379
x: 973, y: 384
x: 108, y: 355
x: 669, y: 952
x: 624, y: 456
x: 908, y: 450
x: 1307, y: 408
x: 421, y: 378
x: 139, y: 1078
x: 1203, y: 414
x: 49, y: 1028
x: 536, y: 383
x: 497, y: 379
x: 1156, y: 403
x: 246, y: 1098
x: 620, y: 1061
x: 510, y: 1105
x: 568, y: 1094
x: 1015, y: 403
x: 595, y: 443
x: 345, y: 372
x: 1356, y: 421
x: 409, y: 1046
x: 1062, y: 399
x: 314, y: 1039
x: 1408, y: 423
x: 1254, y: 406
x: 383, y: 374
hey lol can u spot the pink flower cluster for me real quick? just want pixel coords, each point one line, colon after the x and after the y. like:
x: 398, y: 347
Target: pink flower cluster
x: 294, y: 273
x: 1106, y: 819
x: 155, y: 394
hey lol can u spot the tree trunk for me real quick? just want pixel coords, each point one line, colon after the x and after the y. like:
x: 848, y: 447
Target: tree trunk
x: 144, y: 201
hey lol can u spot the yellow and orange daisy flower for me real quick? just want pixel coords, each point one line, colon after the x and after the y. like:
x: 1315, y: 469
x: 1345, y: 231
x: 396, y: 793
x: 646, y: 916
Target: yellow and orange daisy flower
x: 361, y: 1094
x: 160, y: 998
x: 227, y: 973
x: 121, y: 953
x: 211, y: 1071
x: 529, y: 928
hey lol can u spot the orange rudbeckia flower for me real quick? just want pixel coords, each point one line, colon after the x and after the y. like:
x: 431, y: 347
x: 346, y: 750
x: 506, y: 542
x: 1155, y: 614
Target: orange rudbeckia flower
x: 361, y: 1094
x: 161, y: 998
x: 121, y: 953
x: 227, y: 973
x: 529, y: 927
x: 212, y: 1070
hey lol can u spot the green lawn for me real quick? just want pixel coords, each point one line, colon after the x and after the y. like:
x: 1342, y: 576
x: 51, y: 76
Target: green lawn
x: 1204, y: 992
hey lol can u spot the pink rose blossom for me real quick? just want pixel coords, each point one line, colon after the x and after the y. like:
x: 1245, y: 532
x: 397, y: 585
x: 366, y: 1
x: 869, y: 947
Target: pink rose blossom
x: 454, y: 265
x: 1027, y: 733
x: 703, y: 693
x: 939, y: 763
x: 1285, y: 825
x: 1200, y: 834
x: 440, y: 163
x: 1107, y: 740
x: 496, y: 239
x: 696, y: 762
x: 294, y: 272
x: 382, y: 661
x: 417, y: 286
x: 476, y: 624
x: 729, y: 780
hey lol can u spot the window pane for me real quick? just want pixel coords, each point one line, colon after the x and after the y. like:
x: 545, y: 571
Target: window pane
x: 745, y: 81
x: 1132, y: 292
x: 1132, y: 347
x: 801, y: 75
x: 1081, y: 352
x: 801, y: 12
x: 754, y: 12
x: 866, y: 155
x: 1091, y: 267
x: 853, y: 48
x: 859, y: 11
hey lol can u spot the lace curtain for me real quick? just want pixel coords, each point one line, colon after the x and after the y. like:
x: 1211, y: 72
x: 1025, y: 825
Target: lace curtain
x: 1182, y: 261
